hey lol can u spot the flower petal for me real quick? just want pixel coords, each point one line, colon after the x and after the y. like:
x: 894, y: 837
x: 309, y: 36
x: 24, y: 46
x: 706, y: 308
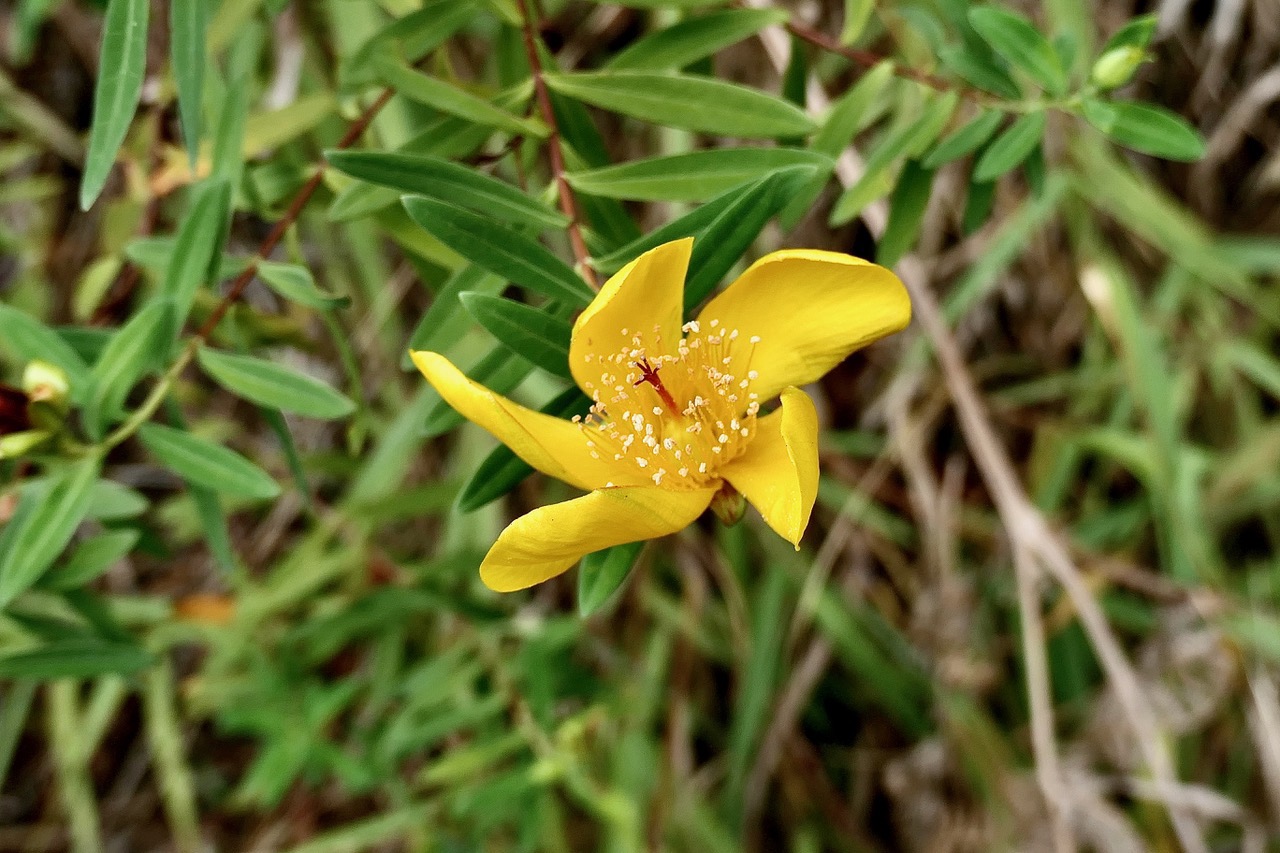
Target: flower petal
x: 554, y: 446
x: 810, y: 309
x: 646, y: 298
x: 778, y: 472
x: 545, y: 542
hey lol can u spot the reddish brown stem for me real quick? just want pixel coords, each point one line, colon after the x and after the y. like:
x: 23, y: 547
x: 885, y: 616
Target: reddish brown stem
x: 568, y: 204
x: 864, y: 58
x: 273, y: 238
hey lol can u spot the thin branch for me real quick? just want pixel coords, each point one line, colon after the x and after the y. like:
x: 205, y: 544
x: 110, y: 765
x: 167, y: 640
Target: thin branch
x: 868, y: 59
x: 291, y: 215
x: 568, y: 203
x: 160, y: 390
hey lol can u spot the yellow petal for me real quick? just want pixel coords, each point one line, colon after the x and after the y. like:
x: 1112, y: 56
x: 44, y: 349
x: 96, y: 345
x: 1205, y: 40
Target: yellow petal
x: 646, y: 298
x: 553, y: 446
x: 778, y: 472
x: 552, y: 538
x: 810, y: 309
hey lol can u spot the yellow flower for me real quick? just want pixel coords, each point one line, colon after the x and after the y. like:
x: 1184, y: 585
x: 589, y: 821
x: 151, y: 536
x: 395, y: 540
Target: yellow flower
x: 677, y: 415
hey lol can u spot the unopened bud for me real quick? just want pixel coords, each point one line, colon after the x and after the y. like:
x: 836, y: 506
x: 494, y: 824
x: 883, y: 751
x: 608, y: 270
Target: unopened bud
x: 45, y: 383
x: 17, y: 444
x: 1116, y: 67
x: 729, y: 505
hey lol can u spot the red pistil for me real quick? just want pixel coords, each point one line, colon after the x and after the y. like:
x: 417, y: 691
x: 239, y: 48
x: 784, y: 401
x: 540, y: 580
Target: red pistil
x: 649, y: 373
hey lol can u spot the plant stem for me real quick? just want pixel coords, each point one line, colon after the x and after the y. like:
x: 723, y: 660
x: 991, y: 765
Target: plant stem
x: 568, y: 203
x: 161, y: 389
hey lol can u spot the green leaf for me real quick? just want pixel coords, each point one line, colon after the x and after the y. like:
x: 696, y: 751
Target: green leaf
x: 691, y: 224
x: 1010, y: 148
x: 662, y: 4
x: 25, y: 339
x: 686, y: 101
x: 965, y: 140
x: 696, y: 176
x: 155, y: 254
x: 76, y: 657
x: 42, y: 525
x: 207, y: 464
x: 856, y: 15
x: 500, y: 250
x: 537, y: 335
x: 1022, y: 45
x: 447, y: 137
x: 436, y: 178
x: 91, y: 558
x: 295, y: 283
x: 601, y: 574
x: 693, y: 39
x: 853, y: 112
x: 198, y: 243
x: 445, y: 323
x: 121, y: 66
x: 728, y: 236
x: 907, y: 141
x: 233, y: 106
x: 411, y: 37
x: 979, y: 70
x: 1136, y: 33
x: 110, y: 501
x: 188, y: 25
x: 502, y: 470
x: 139, y: 347
x: 907, y: 205
x: 1147, y: 128
x: 269, y: 384
x: 448, y: 98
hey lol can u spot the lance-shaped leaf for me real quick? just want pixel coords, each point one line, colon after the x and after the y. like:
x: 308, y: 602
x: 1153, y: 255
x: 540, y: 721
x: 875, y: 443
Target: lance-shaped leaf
x: 421, y: 174
x: 199, y: 241
x: 121, y: 65
x: 1022, y: 46
x: 693, y: 39
x: 537, y: 335
x: 139, y: 347
x: 687, y: 101
x: 728, y: 236
x: 1010, y: 148
x: 75, y: 657
x: 601, y: 574
x: 1146, y: 128
x: 696, y: 176
x: 295, y: 283
x: 448, y: 98
x: 42, y: 525
x: 188, y: 24
x: 90, y: 558
x: 207, y: 464
x: 965, y: 140
x: 412, y: 37
x: 269, y: 384
x: 502, y: 251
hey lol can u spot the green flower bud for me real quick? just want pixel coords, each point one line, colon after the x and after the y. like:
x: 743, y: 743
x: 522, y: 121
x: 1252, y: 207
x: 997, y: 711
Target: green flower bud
x: 18, y: 444
x: 1116, y: 67
x: 45, y: 383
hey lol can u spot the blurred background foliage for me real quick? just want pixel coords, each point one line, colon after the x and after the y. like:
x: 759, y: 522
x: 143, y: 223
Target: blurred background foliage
x: 239, y: 609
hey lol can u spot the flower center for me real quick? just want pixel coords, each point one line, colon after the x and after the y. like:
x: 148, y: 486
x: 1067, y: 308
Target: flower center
x: 675, y: 417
